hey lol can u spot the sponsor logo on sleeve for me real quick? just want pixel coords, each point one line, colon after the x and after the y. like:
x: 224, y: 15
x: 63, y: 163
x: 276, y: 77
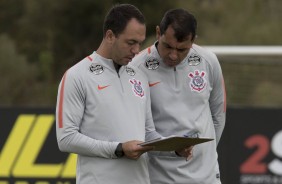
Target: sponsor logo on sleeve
x: 96, y: 69
x: 130, y: 71
x: 194, y: 60
x: 152, y: 63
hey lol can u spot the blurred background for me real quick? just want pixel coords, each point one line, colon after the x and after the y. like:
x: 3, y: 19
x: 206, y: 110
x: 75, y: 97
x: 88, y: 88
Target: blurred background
x: 40, y: 40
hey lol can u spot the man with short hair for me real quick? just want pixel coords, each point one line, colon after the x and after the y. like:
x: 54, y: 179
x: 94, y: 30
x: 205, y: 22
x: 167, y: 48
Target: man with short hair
x: 188, y: 99
x: 103, y: 106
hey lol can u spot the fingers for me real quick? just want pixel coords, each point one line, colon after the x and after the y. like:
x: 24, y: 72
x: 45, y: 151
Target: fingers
x: 187, y: 153
x: 133, y: 150
x: 145, y: 148
x: 190, y: 154
x: 142, y: 149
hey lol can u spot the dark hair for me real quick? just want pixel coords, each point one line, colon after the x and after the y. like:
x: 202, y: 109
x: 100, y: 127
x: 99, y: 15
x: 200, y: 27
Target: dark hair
x: 118, y: 17
x: 182, y: 22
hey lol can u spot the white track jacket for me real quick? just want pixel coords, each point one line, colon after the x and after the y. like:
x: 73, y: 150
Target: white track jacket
x: 98, y: 107
x: 189, y: 100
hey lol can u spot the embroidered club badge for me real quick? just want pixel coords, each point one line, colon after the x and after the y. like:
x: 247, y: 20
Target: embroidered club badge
x: 130, y: 71
x: 96, y: 69
x: 194, y: 60
x: 152, y: 63
x: 198, y: 82
x: 137, y: 88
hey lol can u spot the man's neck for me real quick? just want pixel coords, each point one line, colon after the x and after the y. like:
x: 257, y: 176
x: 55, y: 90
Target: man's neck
x: 117, y: 66
x: 156, y: 45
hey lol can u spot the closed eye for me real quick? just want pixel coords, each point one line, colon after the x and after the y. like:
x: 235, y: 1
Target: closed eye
x: 134, y: 42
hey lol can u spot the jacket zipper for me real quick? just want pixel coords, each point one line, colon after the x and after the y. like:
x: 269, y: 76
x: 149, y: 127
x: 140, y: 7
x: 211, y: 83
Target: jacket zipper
x: 175, y: 77
x: 121, y: 85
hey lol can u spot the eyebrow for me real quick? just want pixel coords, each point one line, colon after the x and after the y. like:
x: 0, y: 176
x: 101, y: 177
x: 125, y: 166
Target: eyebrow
x: 165, y: 43
x: 134, y: 41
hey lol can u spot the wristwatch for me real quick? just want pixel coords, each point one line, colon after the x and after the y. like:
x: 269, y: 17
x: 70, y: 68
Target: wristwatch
x: 119, y: 151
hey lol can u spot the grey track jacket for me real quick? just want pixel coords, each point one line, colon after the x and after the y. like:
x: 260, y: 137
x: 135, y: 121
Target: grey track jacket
x: 188, y: 99
x: 96, y: 109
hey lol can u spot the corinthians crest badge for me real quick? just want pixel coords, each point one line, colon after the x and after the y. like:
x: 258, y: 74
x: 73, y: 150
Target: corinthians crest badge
x: 198, y: 82
x: 137, y: 88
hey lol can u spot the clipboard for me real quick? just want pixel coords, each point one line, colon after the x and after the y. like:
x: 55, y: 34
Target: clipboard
x: 173, y: 143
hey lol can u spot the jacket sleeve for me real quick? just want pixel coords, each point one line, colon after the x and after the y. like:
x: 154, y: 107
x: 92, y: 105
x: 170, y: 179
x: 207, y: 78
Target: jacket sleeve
x: 69, y: 114
x: 217, y: 98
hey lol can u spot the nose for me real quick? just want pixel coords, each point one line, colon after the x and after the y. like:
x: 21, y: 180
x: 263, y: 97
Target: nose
x: 135, y: 48
x: 173, y: 54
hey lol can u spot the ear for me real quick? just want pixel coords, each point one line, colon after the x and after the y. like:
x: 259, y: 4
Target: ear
x: 192, y: 41
x: 110, y: 36
x: 158, y: 32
